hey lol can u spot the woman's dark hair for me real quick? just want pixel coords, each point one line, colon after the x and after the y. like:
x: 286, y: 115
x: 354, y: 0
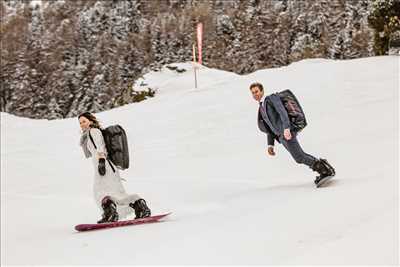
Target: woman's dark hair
x: 92, y: 118
x: 259, y: 85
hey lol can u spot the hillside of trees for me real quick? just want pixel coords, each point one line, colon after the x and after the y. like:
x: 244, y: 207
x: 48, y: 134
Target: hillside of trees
x: 62, y: 57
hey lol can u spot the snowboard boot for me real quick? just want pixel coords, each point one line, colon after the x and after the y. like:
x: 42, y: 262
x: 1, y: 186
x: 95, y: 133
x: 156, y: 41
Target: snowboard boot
x: 141, y: 209
x: 325, y: 170
x: 110, y: 213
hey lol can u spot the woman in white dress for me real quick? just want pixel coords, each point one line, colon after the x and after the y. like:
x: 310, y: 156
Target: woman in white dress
x: 109, y: 192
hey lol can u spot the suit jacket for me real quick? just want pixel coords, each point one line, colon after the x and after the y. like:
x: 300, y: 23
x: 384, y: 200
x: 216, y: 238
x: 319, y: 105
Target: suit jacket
x: 273, y: 118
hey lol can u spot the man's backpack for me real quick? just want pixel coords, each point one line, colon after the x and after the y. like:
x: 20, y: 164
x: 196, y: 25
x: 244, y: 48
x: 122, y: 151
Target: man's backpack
x: 294, y: 110
x: 117, y: 146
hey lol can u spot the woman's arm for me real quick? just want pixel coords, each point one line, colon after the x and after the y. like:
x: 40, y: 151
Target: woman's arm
x: 98, y: 142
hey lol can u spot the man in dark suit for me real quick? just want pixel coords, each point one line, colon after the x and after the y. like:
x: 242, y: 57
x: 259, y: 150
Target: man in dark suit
x: 273, y: 120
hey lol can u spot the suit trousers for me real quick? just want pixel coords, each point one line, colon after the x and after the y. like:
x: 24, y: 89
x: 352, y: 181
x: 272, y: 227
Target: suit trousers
x: 296, y: 151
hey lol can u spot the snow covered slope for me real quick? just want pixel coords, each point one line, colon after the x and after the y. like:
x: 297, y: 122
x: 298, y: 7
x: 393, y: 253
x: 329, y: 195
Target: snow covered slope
x: 199, y: 154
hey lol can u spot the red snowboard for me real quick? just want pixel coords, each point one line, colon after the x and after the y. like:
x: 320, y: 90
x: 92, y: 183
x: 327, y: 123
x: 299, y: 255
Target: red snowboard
x: 96, y: 226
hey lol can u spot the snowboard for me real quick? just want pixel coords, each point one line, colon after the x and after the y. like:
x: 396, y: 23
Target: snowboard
x: 97, y: 226
x: 324, y: 181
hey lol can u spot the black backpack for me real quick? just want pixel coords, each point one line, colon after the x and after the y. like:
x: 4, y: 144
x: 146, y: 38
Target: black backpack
x: 117, y: 146
x: 294, y: 110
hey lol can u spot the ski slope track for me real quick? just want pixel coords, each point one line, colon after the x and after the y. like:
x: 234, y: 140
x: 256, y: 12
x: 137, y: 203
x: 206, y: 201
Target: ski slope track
x: 199, y: 154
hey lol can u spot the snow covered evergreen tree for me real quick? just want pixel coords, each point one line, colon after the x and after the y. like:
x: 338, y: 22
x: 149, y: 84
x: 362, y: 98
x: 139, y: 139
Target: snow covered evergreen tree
x: 73, y: 56
x: 384, y: 17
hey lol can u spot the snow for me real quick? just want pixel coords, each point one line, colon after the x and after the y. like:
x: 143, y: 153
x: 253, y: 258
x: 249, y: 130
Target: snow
x: 198, y: 153
x: 36, y: 3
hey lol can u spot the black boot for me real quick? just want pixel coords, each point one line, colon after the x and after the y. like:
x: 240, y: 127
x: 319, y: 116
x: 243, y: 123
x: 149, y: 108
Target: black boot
x: 325, y: 170
x: 141, y: 209
x: 110, y: 213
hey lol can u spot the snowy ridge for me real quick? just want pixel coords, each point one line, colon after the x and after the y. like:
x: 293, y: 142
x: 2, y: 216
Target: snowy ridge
x: 199, y: 154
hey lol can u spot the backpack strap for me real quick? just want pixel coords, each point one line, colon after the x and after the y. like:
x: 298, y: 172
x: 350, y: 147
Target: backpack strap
x: 112, y: 167
x: 91, y: 138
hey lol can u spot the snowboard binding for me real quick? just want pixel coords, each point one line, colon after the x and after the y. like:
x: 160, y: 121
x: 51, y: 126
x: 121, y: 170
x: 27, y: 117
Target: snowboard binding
x: 110, y: 213
x: 141, y: 209
x: 325, y: 170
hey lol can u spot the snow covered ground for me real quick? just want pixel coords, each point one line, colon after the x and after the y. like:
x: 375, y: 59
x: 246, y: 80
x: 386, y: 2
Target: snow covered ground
x: 199, y: 154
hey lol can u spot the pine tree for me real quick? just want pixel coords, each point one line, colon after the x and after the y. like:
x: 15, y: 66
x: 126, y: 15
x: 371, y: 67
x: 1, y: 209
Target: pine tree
x: 72, y: 56
x: 384, y: 18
